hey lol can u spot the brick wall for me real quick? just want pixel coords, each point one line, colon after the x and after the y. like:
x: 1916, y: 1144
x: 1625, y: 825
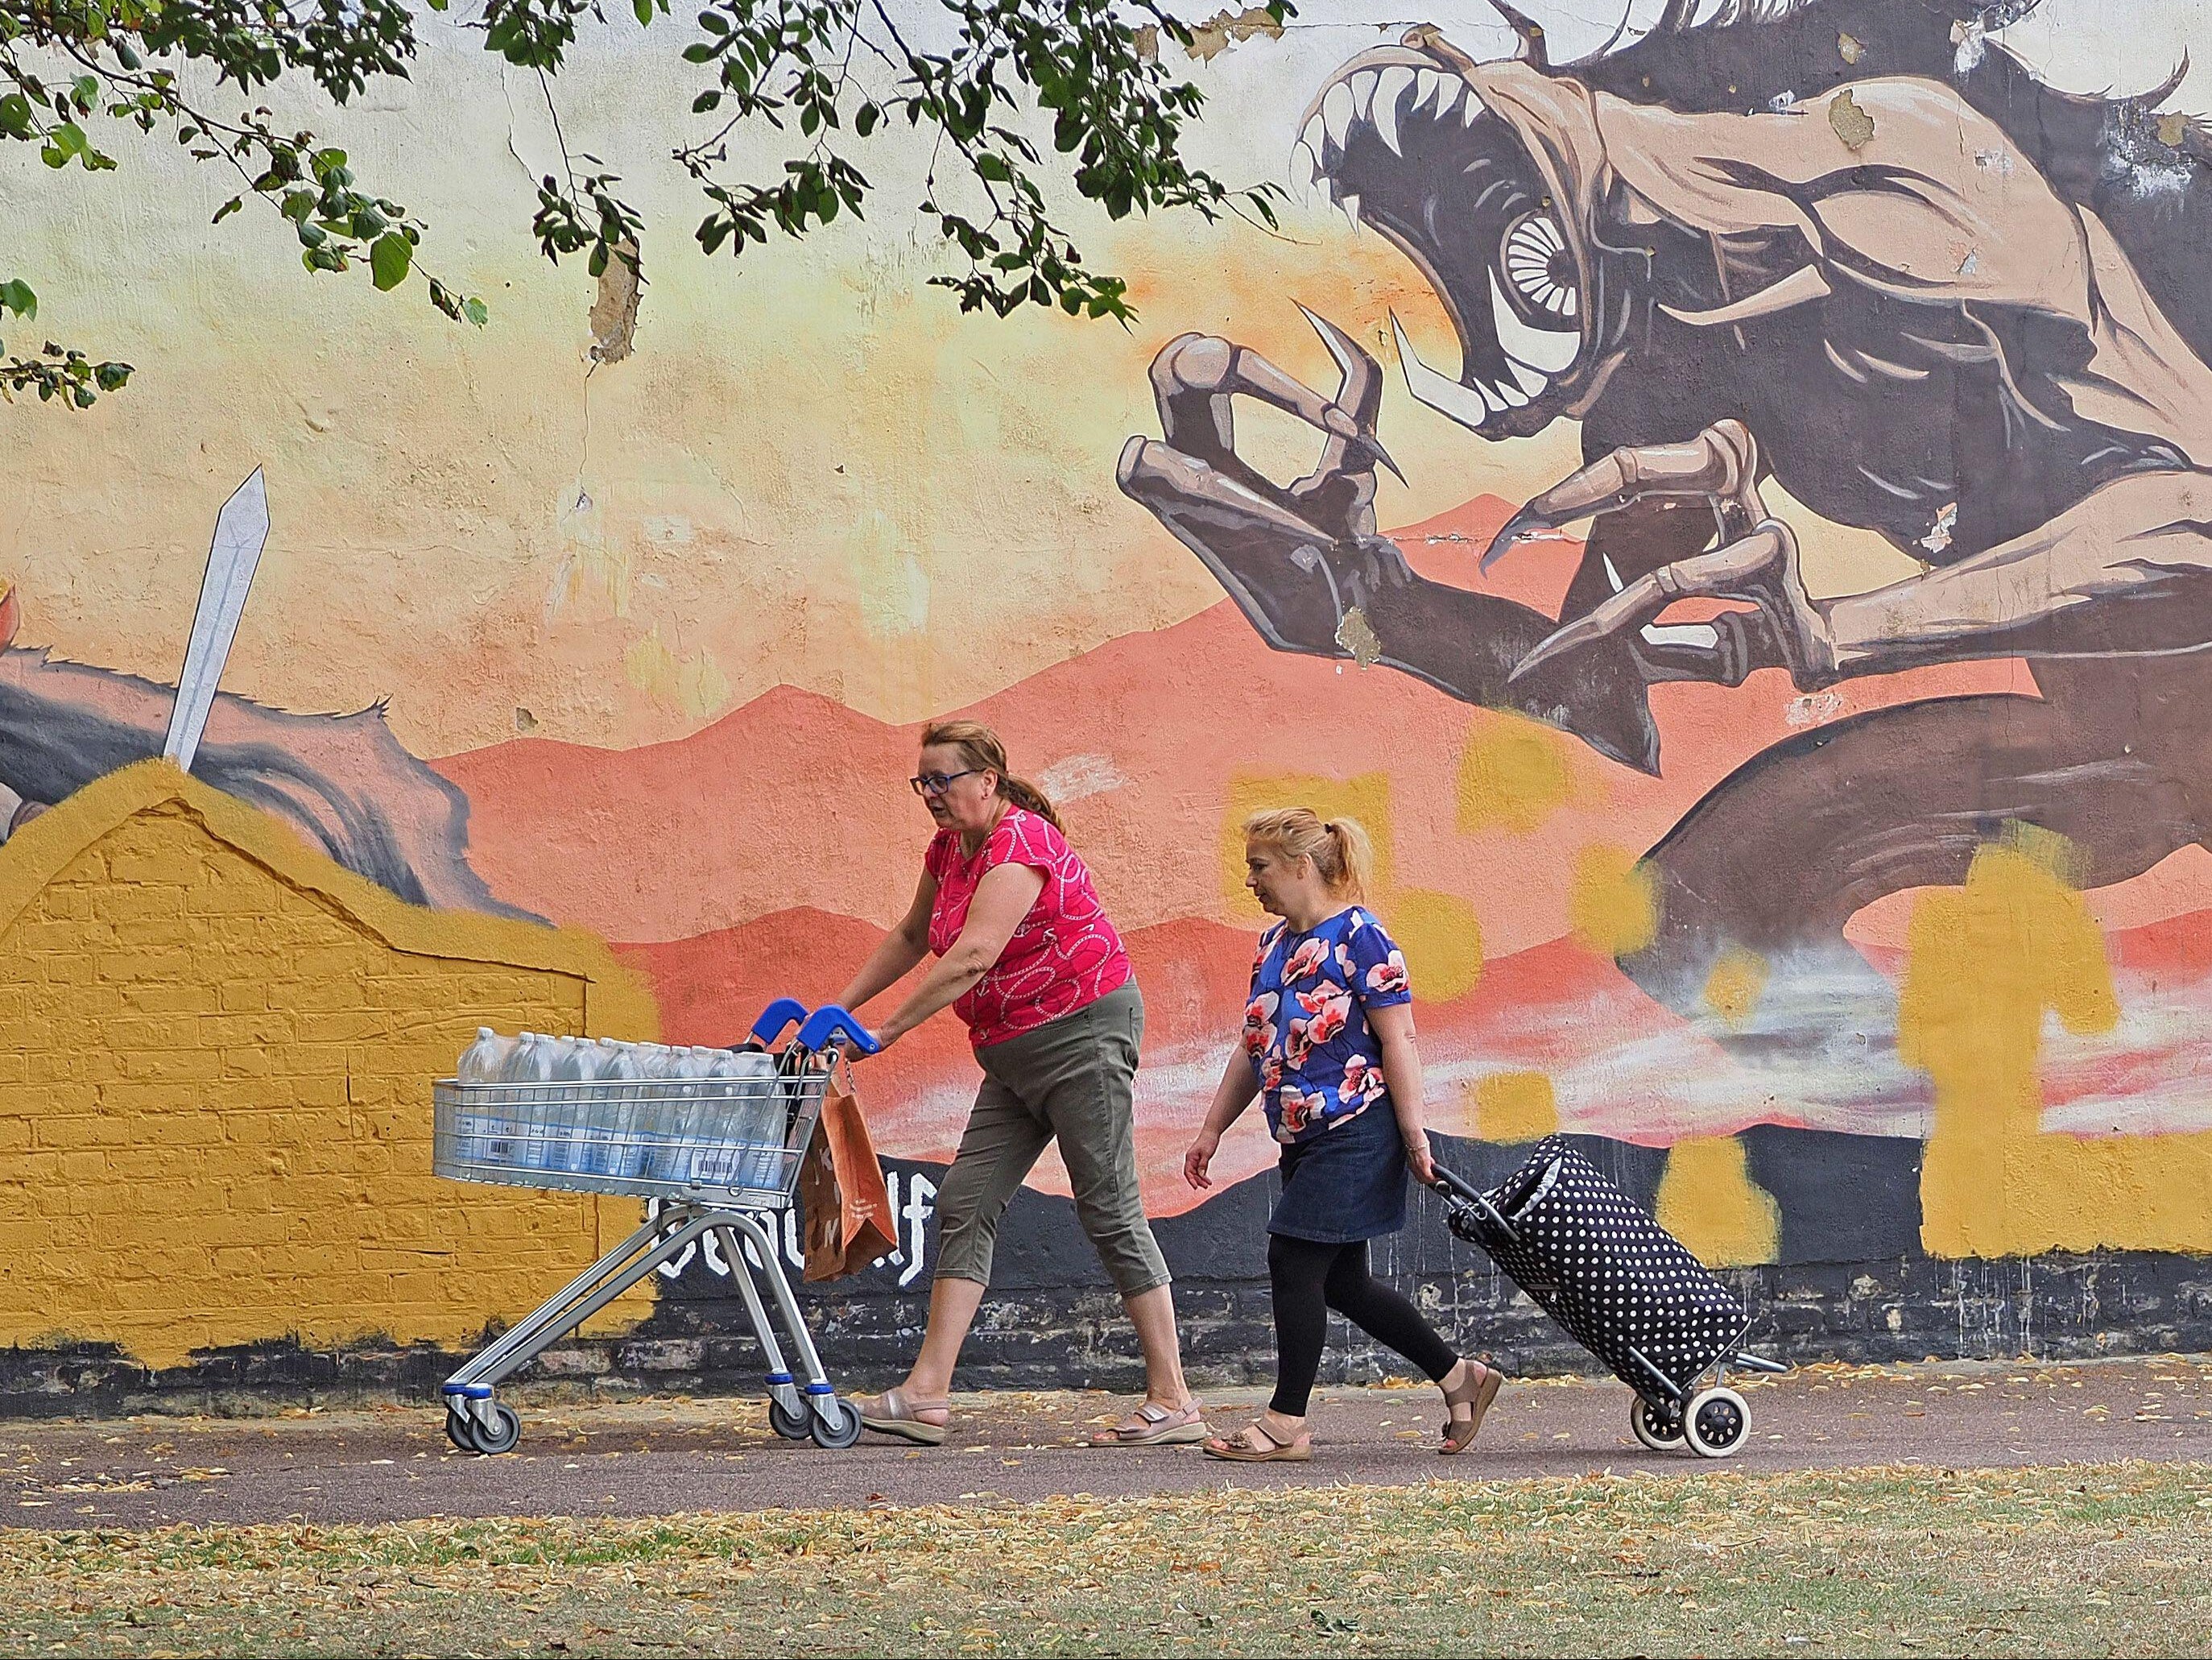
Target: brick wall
x: 215, y: 1056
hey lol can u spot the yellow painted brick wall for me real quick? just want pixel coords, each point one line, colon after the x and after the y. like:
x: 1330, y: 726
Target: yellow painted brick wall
x: 214, y: 1113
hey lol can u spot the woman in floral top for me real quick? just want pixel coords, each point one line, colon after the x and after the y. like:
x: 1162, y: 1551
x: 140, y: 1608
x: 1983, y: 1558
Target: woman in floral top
x: 1329, y: 1051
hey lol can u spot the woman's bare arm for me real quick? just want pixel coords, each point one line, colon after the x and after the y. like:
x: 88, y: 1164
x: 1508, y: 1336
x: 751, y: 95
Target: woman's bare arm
x: 1401, y: 1071
x: 1240, y: 1084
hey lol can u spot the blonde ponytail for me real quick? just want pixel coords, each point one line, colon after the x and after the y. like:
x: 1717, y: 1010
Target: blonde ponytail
x: 980, y: 749
x: 1342, y: 854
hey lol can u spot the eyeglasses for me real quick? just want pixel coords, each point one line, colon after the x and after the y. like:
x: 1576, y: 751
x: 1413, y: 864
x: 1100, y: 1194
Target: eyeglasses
x: 936, y: 783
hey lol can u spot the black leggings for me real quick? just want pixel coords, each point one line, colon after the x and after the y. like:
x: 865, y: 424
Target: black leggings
x: 1309, y: 1279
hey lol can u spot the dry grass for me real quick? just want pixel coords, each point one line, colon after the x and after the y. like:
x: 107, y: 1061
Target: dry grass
x: 2080, y: 1559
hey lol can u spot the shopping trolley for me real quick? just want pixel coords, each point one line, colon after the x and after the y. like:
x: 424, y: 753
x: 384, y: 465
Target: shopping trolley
x: 1623, y: 1287
x: 719, y: 1153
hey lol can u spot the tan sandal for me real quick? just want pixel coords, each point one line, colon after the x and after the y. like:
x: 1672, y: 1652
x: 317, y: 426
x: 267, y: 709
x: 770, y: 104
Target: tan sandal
x: 1240, y: 1448
x: 892, y: 1414
x: 1155, y: 1425
x: 1476, y: 1392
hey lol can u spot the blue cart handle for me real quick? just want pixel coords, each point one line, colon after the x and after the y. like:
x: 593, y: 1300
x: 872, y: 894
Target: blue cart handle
x: 777, y: 1019
x: 827, y: 1023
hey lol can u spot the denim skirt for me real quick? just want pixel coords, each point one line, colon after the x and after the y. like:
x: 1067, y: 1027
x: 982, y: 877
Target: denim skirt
x: 1348, y: 1183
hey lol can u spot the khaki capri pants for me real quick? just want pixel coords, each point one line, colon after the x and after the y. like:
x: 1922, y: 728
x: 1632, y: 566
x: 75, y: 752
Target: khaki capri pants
x: 1071, y: 1078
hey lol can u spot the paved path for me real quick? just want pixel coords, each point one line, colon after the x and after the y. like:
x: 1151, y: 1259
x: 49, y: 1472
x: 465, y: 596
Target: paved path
x: 644, y: 1459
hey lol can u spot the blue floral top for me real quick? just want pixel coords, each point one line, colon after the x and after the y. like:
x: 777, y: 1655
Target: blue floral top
x: 1319, y: 1062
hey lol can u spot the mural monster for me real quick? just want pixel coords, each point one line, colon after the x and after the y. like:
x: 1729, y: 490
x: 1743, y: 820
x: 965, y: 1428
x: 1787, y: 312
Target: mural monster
x: 1846, y: 249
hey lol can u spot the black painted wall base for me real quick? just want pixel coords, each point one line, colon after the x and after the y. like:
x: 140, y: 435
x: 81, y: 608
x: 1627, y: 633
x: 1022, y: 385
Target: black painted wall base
x: 1854, y: 1287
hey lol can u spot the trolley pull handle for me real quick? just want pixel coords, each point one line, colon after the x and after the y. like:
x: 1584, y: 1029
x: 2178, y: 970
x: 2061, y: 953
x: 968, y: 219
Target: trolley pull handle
x: 777, y: 1019
x: 1455, y: 1186
x: 827, y: 1023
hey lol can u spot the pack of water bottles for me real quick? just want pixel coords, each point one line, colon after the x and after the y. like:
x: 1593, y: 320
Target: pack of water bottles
x: 540, y: 1111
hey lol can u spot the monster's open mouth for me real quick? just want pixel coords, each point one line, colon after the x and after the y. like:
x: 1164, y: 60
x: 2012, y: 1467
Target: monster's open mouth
x: 1405, y: 145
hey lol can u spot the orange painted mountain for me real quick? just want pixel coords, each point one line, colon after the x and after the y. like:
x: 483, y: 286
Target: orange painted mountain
x: 1151, y: 743
x: 1614, y: 1061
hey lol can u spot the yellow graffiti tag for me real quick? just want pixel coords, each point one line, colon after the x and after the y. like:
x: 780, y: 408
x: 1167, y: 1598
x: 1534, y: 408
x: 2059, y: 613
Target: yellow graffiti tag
x: 1986, y: 964
x: 1708, y: 1201
x: 1512, y: 776
x: 1512, y: 1107
x: 1612, y: 907
x: 1735, y: 985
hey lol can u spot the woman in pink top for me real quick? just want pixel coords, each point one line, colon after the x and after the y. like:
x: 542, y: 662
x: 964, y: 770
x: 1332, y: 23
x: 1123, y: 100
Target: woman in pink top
x: 1026, y: 956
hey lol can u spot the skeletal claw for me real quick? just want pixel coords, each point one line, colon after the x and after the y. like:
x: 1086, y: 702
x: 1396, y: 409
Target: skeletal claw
x: 1359, y: 442
x: 1520, y: 525
x: 1583, y: 630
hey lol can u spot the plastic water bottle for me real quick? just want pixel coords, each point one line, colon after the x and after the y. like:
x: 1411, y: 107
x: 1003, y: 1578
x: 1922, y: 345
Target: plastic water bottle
x: 615, y: 1145
x: 483, y: 1061
x: 529, y: 1064
x: 759, y: 1116
x: 664, y: 1156
x: 575, y: 1063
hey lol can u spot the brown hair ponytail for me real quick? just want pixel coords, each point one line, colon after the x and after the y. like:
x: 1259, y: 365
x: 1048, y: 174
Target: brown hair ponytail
x: 980, y: 749
x: 1342, y: 852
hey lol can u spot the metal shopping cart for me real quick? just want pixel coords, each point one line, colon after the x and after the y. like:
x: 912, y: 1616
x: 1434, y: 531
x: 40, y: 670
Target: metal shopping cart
x: 1623, y: 1287
x: 719, y: 1152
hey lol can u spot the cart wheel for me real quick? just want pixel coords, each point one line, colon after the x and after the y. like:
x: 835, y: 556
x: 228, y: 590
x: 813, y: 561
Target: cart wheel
x: 1715, y: 1422
x: 791, y: 1426
x: 843, y: 1431
x: 461, y: 1430
x: 1657, y: 1427
x: 507, y: 1430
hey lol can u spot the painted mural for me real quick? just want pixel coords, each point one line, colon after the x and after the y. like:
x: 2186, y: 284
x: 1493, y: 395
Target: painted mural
x: 1769, y: 662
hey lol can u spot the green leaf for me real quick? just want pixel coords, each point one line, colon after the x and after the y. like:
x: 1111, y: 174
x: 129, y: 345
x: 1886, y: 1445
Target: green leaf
x: 227, y: 209
x: 15, y: 295
x: 16, y: 116
x: 474, y: 311
x: 865, y: 119
x: 388, y: 260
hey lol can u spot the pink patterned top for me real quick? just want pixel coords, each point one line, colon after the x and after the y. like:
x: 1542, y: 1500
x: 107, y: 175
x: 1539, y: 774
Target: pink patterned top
x: 1064, y: 955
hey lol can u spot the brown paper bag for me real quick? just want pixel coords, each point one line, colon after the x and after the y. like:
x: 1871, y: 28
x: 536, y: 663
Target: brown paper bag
x: 841, y: 1189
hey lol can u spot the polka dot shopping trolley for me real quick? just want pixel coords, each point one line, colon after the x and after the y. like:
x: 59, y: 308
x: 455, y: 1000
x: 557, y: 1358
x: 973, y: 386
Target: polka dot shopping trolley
x: 1623, y: 1287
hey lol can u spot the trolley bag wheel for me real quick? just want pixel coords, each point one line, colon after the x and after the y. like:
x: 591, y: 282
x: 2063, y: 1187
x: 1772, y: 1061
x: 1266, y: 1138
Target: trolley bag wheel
x: 1657, y: 1427
x: 842, y: 1431
x: 460, y: 1430
x: 501, y: 1436
x: 791, y: 1426
x: 1715, y: 1423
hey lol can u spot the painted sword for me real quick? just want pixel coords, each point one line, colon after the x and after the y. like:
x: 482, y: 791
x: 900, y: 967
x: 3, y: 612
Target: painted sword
x: 240, y: 529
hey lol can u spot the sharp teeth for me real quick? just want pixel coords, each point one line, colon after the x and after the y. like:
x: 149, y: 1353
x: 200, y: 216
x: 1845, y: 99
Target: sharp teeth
x: 1454, y: 90
x: 1472, y: 112
x: 1508, y: 394
x: 1427, y: 84
x: 1530, y: 382
x: 1390, y: 86
x: 1336, y: 114
x: 1446, y: 395
x: 1350, y: 203
x: 1363, y: 92
x: 1611, y: 573
x: 1305, y: 170
x: 1549, y: 351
